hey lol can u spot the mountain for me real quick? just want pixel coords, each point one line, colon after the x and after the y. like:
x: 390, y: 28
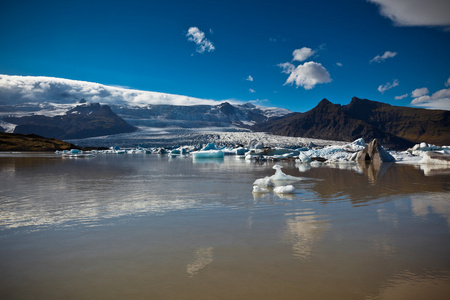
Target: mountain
x: 31, y: 142
x: 412, y: 124
x: 82, y: 121
x: 197, y: 116
x: 41, y: 105
x: 395, y: 127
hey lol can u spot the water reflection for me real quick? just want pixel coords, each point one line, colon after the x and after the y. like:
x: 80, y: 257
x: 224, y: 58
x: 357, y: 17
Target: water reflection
x: 424, y: 205
x: 410, y: 285
x: 303, y: 231
x: 432, y: 170
x: 172, y: 229
x: 388, y: 216
x: 374, y: 170
x: 202, y: 257
x: 383, y: 244
x: 360, y: 189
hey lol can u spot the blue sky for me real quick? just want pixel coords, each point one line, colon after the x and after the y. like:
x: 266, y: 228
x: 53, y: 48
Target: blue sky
x: 289, y: 54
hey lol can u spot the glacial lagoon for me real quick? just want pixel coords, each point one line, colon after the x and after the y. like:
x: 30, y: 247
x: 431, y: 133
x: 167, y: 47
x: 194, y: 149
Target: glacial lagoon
x: 154, y: 227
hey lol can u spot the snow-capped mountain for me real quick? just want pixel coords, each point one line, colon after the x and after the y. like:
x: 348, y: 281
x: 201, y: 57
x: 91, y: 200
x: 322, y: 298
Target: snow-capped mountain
x: 196, y: 116
x: 24, y: 96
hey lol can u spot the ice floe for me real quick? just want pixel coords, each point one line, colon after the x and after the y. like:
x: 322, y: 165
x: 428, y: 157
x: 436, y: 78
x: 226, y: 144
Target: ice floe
x: 277, y: 182
x: 287, y: 189
x: 337, y: 154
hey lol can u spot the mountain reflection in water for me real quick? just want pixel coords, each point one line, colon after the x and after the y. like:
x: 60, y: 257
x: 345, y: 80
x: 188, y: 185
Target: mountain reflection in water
x: 145, y: 226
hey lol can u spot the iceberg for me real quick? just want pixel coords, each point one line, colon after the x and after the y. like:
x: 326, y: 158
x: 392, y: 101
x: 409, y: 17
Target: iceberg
x: 263, y: 182
x: 277, y: 182
x: 208, y: 154
x: 178, y: 151
x: 240, y: 151
x: 279, y: 176
x: 436, y: 158
x: 209, y: 146
x: 287, y: 189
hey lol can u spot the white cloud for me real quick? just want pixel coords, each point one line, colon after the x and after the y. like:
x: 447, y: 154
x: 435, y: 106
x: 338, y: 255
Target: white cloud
x: 251, y: 90
x: 307, y: 75
x: 384, y: 87
x: 286, y: 67
x: 386, y: 55
x: 420, y: 92
x: 447, y: 83
x: 339, y: 64
x: 438, y: 100
x: 416, y: 12
x: 198, y: 37
x: 249, y: 78
x: 19, y: 89
x: 401, y: 97
x: 302, y: 54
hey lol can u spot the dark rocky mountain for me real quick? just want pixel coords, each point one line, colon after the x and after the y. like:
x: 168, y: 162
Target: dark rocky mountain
x: 86, y: 120
x: 395, y: 127
x: 412, y: 124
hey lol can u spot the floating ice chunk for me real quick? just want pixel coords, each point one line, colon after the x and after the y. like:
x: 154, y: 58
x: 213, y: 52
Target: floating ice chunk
x: 436, y: 158
x: 280, y: 176
x: 263, y: 182
x: 419, y: 149
x: 254, y: 144
x: 356, y: 145
x: 304, y: 158
x: 252, y: 155
x: 240, y: 151
x: 210, y: 146
x: 208, y: 154
x: 179, y: 151
x: 287, y: 189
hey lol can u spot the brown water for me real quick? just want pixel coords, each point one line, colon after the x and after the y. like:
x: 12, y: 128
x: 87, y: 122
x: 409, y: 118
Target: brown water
x: 150, y: 227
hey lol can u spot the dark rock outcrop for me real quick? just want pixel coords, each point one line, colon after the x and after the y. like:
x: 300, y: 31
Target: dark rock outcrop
x: 375, y: 153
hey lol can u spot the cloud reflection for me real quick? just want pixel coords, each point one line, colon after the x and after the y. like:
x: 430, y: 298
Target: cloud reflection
x: 202, y: 257
x: 425, y: 205
x: 303, y: 231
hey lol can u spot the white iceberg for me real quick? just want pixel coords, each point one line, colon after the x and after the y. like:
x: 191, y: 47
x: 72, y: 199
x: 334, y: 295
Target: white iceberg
x: 306, y: 159
x: 287, y: 189
x: 277, y: 182
x: 263, y: 182
x: 280, y: 176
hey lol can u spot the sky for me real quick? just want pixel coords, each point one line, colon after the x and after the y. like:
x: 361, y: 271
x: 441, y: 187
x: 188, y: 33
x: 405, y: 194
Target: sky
x: 288, y: 54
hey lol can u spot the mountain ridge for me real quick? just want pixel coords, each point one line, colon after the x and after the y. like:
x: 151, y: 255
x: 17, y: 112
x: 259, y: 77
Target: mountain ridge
x: 394, y: 126
x: 85, y: 120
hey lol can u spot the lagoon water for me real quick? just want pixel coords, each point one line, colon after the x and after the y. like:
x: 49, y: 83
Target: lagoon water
x: 151, y: 227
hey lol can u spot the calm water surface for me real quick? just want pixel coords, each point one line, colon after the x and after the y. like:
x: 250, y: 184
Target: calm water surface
x: 150, y: 227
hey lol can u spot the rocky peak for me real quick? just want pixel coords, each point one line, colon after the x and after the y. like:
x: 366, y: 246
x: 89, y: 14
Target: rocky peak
x: 226, y: 108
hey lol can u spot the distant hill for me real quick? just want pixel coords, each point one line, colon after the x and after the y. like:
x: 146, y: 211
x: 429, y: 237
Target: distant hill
x: 86, y: 120
x: 395, y: 127
x: 31, y: 142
